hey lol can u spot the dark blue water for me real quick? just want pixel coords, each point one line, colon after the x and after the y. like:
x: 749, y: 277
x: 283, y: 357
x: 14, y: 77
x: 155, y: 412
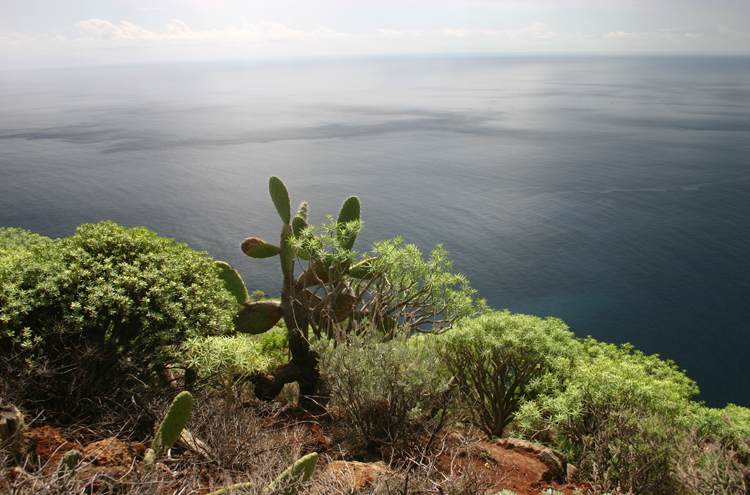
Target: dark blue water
x: 613, y: 193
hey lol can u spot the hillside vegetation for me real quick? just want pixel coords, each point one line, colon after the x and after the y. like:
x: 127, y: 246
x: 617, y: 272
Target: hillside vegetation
x: 99, y: 331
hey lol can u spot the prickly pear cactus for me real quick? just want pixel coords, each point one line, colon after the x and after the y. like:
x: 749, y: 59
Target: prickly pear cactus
x: 233, y: 282
x: 280, y: 198
x: 258, y: 317
x: 287, y: 252
x: 171, y: 427
x: 349, y: 212
x: 297, y: 473
x: 294, y: 308
x: 70, y: 460
x: 257, y: 248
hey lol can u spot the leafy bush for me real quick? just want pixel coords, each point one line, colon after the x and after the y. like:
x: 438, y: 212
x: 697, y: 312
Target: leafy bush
x: 715, y: 452
x: 501, y: 358
x: 385, y: 387
x: 125, y: 287
x: 730, y: 426
x: 125, y: 296
x: 23, y: 264
x: 417, y: 294
x: 226, y: 360
x: 392, y: 286
x: 618, y: 415
x: 707, y: 465
x: 275, y: 344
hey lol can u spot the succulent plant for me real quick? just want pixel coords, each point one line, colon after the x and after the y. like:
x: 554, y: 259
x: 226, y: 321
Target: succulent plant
x: 298, y: 304
x: 252, y: 317
x: 70, y: 460
x: 171, y: 427
x: 297, y: 473
x: 289, y: 480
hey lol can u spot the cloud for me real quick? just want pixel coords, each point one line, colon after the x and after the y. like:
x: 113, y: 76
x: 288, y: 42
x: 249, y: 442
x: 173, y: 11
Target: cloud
x: 103, y: 42
x: 661, y: 38
x: 277, y: 31
x: 178, y: 28
x: 536, y: 34
x: 105, y: 30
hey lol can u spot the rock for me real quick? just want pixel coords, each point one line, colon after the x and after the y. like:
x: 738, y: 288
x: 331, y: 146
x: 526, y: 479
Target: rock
x: 574, y: 474
x: 51, y: 446
x: 109, y: 456
x: 109, y: 452
x: 556, y: 462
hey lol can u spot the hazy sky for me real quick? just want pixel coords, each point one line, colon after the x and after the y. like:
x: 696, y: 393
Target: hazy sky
x: 36, y: 33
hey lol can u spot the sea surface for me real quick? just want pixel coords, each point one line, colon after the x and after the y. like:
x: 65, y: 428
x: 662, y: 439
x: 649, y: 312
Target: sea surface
x: 611, y: 192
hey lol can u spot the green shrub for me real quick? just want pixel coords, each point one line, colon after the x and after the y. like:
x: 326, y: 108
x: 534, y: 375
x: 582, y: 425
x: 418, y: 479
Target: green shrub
x: 619, y: 415
x: 226, y: 361
x: 275, y: 343
x: 19, y: 239
x: 124, y: 287
x: 385, y: 387
x: 24, y: 262
x: 715, y: 452
x: 101, y: 311
x: 501, y: 358
x: 730, y: 426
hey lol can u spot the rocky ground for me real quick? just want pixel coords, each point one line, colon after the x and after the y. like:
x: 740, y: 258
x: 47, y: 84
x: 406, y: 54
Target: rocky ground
x: 489, y: 466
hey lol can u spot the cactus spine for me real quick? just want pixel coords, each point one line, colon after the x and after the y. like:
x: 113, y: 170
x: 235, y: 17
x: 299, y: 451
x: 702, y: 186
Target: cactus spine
x: 171, y: 427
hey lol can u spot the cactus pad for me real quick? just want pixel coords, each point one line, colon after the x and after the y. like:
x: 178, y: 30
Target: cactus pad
x: 280, y: 198
x: 336, y: 307
x: 348, y: 213
x: 299, y: 472
x: 316, y: 273
x: 287, y: 252
x: 302, y: 211
x: 175, y: 420
x: 298, y: 224
x: 349, y: 210
x: 233, y: 282
x: 257, y: 248
x: 258, y: 317
x: 70, y: 460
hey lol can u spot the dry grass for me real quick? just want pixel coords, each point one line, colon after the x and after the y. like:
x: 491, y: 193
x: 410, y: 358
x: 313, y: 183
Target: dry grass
x: 253, y: 445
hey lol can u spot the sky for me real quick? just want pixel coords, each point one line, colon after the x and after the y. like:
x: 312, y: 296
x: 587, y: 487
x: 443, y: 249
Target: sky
x: 66, y: 33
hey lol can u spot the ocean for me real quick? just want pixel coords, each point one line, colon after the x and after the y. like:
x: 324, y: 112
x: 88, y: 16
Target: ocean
x: 611, y: 192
